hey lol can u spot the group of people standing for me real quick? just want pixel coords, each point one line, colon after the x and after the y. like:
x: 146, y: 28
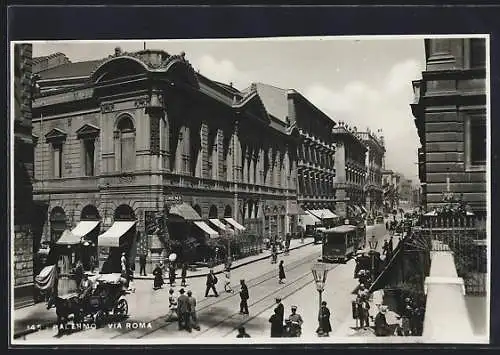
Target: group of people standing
x: 184, y: 306
x: 159, y: 270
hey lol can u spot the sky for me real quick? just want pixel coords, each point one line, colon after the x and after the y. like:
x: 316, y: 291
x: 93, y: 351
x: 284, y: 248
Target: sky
x: 363, y: 81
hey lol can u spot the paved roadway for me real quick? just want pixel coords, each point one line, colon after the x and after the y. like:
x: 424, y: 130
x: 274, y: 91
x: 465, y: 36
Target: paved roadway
x: 219, y: 317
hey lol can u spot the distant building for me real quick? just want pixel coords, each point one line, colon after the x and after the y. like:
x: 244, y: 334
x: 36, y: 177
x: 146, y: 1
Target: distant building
x: 315, y: 149
x: 23, y: 177
x: 405, y: 190
x: 390, y: 184
x: 374, y: 163
x: 351, y: 171
x: 450, y: 116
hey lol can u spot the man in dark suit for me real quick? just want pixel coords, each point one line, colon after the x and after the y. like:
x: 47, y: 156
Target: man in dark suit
x: 183, y: 311
x: 244, y: 298
x: 279, y: 310
x: 211, y: 282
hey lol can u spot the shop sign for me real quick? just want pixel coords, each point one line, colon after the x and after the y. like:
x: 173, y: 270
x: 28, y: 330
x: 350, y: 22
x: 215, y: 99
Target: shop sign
x: 173, y: 199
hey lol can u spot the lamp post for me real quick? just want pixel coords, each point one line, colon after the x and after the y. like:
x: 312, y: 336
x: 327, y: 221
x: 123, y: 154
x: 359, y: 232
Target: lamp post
x: 319, y: 271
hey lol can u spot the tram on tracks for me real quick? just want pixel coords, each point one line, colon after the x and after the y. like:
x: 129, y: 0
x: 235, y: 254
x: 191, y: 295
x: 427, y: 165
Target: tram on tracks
x: 341, y: 243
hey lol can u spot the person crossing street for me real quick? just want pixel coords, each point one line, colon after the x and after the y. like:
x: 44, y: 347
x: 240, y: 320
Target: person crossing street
x: 281, y: 272
x: 193, y: 319
x: 183, y: 311
x: 211, y: 282
x: 244, y: 298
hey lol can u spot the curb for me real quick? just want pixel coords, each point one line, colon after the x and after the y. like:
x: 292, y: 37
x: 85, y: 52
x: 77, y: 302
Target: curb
x: 233, y: 267
x: 54, y: 322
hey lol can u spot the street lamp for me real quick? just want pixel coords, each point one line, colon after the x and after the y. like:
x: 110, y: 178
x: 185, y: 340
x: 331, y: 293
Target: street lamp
x: 319, y: 271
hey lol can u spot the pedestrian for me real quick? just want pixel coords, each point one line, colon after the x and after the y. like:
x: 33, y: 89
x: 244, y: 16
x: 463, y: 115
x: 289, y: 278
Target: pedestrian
x: 390, y: 245
x: 211, y: 282
x: 244, y: 298
x: 281, y: 272
x: 171, y: 274
x: 295, y: 320
x: 242, y: 333
x: 387, y: 225
x: 193, y: 319
x: 142, y: 264
x: 363, y: 312
x: 183, y: 311
x: 184, y: 274
x: 78, y: 272
x: 382, y: 328
x: 227, y: 276
x: 406, y: 316
x: 158, y: 277
x: 172, y: 305
x: 276, y: 324
x: 280, y: 311
x: 123, y: 262
x: 324, y: 321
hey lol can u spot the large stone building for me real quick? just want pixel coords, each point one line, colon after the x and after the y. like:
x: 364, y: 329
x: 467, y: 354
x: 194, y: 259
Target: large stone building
x: 351, y: 170
x: 128, y: 138
x: 375, y: 158
x: 450, y: 116
x: 23, y: 175
x: 316, y: 149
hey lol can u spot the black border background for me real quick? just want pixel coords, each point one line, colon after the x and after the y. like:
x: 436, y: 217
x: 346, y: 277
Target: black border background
x: 164, y: 22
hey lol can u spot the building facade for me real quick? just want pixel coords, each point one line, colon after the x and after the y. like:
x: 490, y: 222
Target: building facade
x: 375, y: 157
x: 390, y: 184
x: 137, y: 135
x: 450, y: 116
x: 351, y: 170
x: 23, y: 177
x: 315, y: 150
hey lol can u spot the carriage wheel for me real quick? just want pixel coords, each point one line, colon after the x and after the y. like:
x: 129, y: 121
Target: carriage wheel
x: 121, y: 308
x: 99, y: 319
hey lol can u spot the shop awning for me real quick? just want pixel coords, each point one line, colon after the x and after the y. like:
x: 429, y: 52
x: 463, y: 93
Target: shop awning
x: 308, y: 219
x: 235, y: 224
x: 205, y: 228
x: 185, y: 211
x: 218, y: 223
x: 68, y: 238
x: 112, y: 237
x: 328, y: 214
x: 84, y: 227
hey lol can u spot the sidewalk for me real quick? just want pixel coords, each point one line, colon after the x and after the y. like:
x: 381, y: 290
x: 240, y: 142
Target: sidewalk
x: 35, y: 317
x: 203, y: 271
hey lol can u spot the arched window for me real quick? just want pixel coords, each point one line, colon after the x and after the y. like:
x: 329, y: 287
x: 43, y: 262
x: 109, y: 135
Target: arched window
x: 126, y: 143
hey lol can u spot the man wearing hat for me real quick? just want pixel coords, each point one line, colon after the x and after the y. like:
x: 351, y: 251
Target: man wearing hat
x: 211, y: 282
x: 279, y: 310
x: 244, y: 298
x: 296, y: 322
x: 183, y: 311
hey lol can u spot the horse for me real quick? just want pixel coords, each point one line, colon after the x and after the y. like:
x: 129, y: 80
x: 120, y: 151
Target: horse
x: 65, y: 308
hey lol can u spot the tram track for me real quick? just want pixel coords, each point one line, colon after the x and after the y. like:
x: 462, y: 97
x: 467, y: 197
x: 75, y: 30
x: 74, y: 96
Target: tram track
x: 160, y: 323
x: 291, y: 288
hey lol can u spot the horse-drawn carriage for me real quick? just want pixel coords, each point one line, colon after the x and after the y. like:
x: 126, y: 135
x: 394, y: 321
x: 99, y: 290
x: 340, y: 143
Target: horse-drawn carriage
x: 106, y: 298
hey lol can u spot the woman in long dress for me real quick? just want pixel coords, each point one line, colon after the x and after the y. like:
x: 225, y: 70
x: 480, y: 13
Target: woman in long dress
x: 158, y: 280
x: 281, y: 273
x: 324, y: 320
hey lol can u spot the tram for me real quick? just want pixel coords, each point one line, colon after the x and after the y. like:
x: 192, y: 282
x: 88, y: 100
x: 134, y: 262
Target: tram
x: 340, y: 243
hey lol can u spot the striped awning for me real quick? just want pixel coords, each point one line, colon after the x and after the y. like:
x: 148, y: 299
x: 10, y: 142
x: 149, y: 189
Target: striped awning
x: 218, y: 223
x: 235, y: 224
x: 185, y: 211
x: 113, y: 236
x: 68, y: 238
x: 84, y: 227
x: 205, y: 228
